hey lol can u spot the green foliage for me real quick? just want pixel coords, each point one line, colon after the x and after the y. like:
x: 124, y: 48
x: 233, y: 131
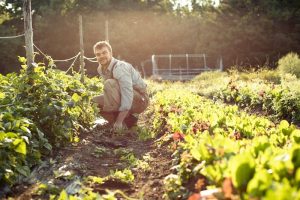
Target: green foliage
x: 218, y: 142
x: 268, y: 75
x: 21, y: 143
x: 208, y: 83
x: 290, y: 63
x: 242, y: 169
x: 259, y: 183
x: 95, y: 179
x: 100, y: 152
x: 40, y: 109
x: 280, y: 101
x: 144, y: 134
x: 209, y: 76
x: 128, y: 156
x: 57, y: 102
x: 125, y: 176
x: 88, y: 194
x: 283, y: 190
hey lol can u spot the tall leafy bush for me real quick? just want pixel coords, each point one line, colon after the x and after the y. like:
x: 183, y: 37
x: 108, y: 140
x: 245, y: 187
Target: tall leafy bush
x: 289, y: 64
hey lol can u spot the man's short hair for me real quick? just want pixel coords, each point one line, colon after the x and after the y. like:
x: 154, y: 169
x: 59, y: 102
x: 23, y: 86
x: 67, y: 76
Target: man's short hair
x: 101, y: 44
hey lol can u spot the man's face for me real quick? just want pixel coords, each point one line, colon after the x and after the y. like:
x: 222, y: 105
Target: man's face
x: 103, y: 56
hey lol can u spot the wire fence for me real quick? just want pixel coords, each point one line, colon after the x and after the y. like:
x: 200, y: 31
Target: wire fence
x: 73, y: 59
x: 12, y: 37
x: 93, y: 60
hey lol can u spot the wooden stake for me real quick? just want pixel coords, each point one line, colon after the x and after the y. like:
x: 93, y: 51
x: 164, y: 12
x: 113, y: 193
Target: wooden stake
x: 81, y: 50
x: 28, y: 33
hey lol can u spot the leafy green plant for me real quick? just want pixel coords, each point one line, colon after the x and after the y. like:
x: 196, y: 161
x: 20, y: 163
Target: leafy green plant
x: 277, y: 101
x: 21, y: 144
x: 263, y: 74
x: 95, y: 180
x: 290, y: 63
x: 100, y: 151
x: 125, y: 176
x: 213, y: 142
x: 40, y: 109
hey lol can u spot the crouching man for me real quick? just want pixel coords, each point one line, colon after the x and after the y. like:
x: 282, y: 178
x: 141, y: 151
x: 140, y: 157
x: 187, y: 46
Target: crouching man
x: 124, y: 93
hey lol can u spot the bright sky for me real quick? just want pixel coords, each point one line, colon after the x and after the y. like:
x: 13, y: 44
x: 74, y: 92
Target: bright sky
x: 3, y: 3
x: 188, y: 3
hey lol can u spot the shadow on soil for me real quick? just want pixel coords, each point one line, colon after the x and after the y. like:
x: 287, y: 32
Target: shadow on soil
x: 99, y: 153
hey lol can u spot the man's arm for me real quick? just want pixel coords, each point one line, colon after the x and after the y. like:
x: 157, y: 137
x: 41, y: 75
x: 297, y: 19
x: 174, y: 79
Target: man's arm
x: 119, y: 122
x: 123, y: 75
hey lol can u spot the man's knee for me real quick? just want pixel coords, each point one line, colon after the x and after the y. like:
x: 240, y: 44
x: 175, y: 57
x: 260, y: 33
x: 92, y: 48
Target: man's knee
x: 98, y: 100
x: 111, y: 84
x: 109, y: 116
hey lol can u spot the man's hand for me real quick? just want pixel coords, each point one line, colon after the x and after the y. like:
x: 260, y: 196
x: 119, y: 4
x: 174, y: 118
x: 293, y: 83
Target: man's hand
x: 118, y: 126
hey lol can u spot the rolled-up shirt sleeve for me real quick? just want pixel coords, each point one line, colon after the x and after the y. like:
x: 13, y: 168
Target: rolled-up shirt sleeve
x: 123, y: 75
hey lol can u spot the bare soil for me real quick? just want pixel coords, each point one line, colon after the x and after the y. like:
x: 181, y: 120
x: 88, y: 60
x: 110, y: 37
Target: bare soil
x: 96, y: 155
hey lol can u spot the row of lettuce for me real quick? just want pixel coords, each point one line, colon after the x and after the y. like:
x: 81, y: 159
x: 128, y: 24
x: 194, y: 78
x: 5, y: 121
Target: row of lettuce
x: 279, y: 98
x: 274, y: 93
x: 40, y: 109
x: 218, y: 146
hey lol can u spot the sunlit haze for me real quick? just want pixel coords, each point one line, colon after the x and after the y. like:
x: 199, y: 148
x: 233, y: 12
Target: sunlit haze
x: 188, y: 3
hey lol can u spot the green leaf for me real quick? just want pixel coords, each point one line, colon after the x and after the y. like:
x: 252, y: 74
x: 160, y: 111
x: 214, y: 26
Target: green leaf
x: 2, y: 95
x: 76, y: 97
x: 48, y: 146
x: 20, y: 146
x: 242, y: 170
x: 284, y: 124
x: 213, y: 172
x: 297, y: 176
x: 261, y: 145
x: 63, y: 195
x: 8, y: 126
x: 2, y: 136
x: 25, y: 129
x: 26, y: 139
x: 24, y: 170
x: 296, y: 157
x: 40, y: 134
x: 196, y: 153
x: 261, y: 181
x: 285, y: 128
x: 296, y: 136
x: 204, y: 152
x: 11, y: 135
x: 22, y: 60
x: 16, y: 124
x: 95, y: 179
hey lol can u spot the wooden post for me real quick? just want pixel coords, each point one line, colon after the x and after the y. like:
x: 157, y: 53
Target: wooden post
x: 28, y: 33
x: 221, y: 64
x: 81, y: 50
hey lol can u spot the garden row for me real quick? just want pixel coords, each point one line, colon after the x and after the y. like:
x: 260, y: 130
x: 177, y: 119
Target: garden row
x: 266, y: 94
x: 278, y: 101
x: 274, y: 93
x: 40, y: 109
x: 218, y: 146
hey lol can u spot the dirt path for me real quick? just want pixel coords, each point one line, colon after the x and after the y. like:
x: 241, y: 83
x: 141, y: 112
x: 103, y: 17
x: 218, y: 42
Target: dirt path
x: 98, y: 154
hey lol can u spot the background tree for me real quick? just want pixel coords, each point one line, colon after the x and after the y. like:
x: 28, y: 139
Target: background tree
x: 243, y: 32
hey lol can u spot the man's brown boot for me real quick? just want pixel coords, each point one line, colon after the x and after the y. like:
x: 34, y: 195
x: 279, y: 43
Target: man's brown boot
x: 130, y: 121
